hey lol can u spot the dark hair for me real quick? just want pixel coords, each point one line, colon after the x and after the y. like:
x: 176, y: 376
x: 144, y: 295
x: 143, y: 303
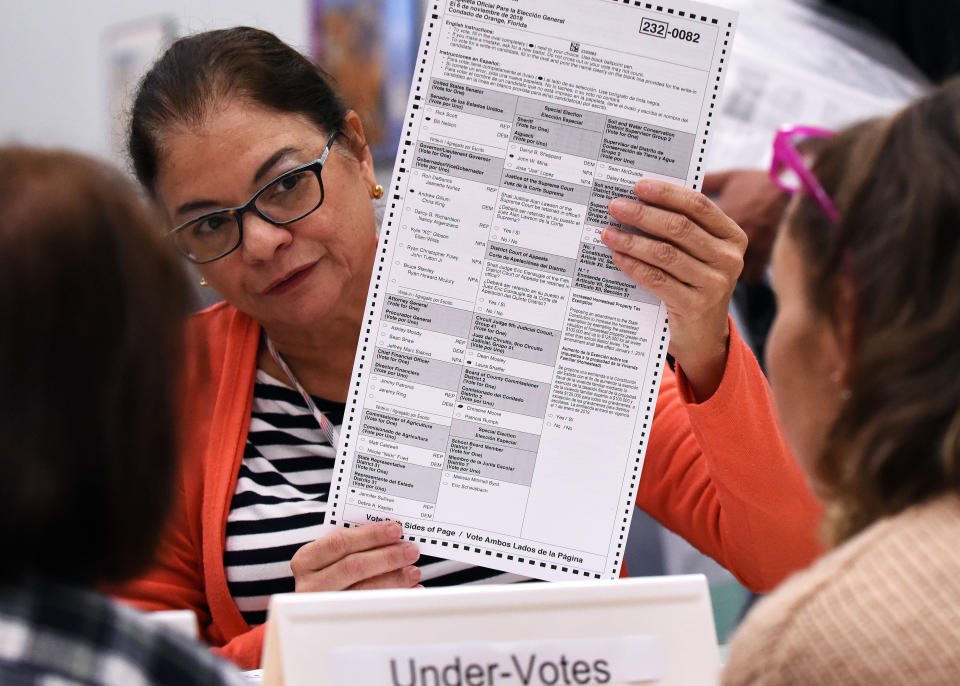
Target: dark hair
x: 896, y: 183
x: 201, y: 71
x: 92, y: 305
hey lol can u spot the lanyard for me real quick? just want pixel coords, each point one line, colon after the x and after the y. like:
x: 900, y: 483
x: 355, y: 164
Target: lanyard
x: 326, y: 426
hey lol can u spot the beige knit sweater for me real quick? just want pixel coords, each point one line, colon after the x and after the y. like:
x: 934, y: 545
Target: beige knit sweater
x: 884, y: 608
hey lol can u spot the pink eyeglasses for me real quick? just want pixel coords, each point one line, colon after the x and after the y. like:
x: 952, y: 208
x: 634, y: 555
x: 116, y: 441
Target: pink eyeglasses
x: 790, y: 173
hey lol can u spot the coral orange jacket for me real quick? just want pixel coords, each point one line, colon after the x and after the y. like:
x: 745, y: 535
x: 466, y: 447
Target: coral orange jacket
x: 717, y: 473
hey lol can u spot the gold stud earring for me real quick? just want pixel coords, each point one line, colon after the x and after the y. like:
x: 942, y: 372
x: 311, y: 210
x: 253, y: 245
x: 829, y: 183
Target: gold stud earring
x: 378, y: 191
x: 203, y: 281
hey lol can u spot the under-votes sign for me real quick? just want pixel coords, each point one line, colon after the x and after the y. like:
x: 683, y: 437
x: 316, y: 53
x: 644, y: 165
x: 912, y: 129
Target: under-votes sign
x: 653, y: 631
x: 557, y: 662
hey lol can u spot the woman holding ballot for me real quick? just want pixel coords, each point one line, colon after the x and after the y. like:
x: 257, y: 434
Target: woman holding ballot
x: 863, y: 359
x: 267, y: 179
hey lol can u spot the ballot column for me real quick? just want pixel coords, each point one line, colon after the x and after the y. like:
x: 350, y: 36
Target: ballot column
x: 603, y: 354
x: 529, y: 264
x: 431, y: 291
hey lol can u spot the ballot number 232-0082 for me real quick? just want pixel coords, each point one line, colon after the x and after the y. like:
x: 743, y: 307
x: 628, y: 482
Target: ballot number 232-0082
x: 661, y: 29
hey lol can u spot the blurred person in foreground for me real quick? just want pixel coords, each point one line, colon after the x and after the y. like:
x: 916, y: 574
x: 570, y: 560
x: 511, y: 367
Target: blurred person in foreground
x: 92, y: 306
x: 864, y: 362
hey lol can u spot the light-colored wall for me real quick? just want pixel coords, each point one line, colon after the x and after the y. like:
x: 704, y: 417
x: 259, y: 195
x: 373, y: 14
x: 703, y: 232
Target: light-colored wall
x: 54, y: 65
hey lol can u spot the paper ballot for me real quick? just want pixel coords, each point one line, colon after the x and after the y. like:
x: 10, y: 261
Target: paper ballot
x: 507, y: 372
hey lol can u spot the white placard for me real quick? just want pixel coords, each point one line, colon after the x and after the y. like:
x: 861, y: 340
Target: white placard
x: 654, y: 630
x: 507, y: 373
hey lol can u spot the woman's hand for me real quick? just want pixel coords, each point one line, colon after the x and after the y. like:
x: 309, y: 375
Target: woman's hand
x: 690, y: 259
x: 369, y: 556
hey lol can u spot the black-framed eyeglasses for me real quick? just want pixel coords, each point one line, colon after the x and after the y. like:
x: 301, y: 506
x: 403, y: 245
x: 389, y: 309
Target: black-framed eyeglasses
x: 289, y: 197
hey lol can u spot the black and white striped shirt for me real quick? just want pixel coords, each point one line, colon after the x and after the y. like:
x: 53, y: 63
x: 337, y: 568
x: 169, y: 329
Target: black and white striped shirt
x: 281, y: 499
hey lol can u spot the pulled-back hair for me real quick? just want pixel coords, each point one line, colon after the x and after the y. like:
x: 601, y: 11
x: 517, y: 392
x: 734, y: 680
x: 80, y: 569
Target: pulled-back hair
x: 200, y: 72
x: 896, y: 183
x: 92, y: 305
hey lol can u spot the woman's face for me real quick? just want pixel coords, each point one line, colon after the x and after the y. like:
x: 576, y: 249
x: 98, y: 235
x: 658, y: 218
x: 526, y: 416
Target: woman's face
x: 804, y: 357
x: 290, y: 276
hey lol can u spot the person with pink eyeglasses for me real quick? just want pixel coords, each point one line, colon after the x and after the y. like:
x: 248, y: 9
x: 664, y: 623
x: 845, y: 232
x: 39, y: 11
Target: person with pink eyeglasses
x: 863, y: 361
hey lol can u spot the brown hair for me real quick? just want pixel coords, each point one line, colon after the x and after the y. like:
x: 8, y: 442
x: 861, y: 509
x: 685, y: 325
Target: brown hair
x: 199, y: 72
x: 896, y: 183
x: 92, y: 303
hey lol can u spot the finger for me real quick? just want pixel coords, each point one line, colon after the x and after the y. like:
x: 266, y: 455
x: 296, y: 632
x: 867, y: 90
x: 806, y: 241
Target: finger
x: 714, y: 182
x: 342, y: 542
x: 674, y: 294
x: 683, y: 301
x: 408, y: 577
x: 695, y: 206
x: 670, y: 226
x: 665, y: 256
x: 358, y: 567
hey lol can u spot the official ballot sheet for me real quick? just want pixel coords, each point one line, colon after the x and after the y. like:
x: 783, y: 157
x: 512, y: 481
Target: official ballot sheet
x: 507, y: 373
